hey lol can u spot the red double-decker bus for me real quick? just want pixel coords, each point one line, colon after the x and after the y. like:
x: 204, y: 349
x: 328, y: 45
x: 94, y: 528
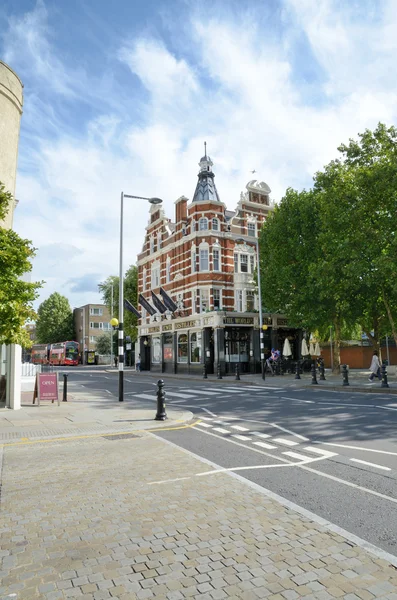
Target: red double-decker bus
x: 62, y: 353
x: 40, y: 353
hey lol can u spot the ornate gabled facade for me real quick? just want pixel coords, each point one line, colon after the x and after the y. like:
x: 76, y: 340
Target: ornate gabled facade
x: 205, y: 261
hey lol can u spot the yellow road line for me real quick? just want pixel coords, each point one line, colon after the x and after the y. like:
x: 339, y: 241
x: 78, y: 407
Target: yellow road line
x: 26, y: 441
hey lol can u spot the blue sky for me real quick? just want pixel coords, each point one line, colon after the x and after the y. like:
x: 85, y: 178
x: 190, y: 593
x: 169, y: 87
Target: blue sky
x: 122, y: 95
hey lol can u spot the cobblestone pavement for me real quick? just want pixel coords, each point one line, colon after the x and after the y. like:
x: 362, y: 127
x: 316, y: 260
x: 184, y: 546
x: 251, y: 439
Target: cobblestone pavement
x: 85, y: 519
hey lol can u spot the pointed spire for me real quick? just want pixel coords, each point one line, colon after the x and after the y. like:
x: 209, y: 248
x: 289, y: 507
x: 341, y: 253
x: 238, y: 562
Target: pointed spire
x: 206, y: 189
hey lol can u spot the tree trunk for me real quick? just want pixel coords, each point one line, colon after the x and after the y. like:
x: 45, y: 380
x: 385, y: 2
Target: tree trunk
x: 336, y: 361
x: 390, y: 316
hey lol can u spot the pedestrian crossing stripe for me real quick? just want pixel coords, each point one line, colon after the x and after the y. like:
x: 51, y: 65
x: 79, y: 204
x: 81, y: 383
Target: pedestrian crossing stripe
x: 247, y: 437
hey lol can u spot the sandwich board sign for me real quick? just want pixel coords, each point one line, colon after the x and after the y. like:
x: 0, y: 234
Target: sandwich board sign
x: 46, y: 387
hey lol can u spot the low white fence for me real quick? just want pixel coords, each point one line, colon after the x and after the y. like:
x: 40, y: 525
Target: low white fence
x: 30, y: 370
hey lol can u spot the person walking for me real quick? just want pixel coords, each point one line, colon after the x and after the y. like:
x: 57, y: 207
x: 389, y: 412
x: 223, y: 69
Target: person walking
x: 375, y: 367
x: 138, y: 363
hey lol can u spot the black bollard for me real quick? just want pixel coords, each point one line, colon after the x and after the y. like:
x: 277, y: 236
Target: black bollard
x: 237, y: 373
x: 65, y: 387
x: 322, y: 371
x: 314, y: 375
x: 205, y: 376
x: 219, y: 374
x: 161, y: 414
x: 297, y: 372
x: 384, y: 377
x: 345, y: 375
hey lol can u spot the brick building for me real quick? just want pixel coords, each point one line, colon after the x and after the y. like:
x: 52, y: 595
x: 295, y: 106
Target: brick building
x: 91, y: 321
x: 205, y: 262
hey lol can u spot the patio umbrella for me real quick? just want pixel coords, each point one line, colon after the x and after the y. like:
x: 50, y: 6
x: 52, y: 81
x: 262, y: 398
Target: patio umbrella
x: 311, y: 349
x: 287, y: 348
x: 304, y: 349
x: 317, y: 351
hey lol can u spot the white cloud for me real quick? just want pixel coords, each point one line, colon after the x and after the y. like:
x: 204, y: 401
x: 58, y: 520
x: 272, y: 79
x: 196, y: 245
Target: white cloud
x: 237, y: 88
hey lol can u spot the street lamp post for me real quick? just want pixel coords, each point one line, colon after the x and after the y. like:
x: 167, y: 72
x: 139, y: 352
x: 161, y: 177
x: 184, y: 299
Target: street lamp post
x: 262, y: 349
x: 121, y: 291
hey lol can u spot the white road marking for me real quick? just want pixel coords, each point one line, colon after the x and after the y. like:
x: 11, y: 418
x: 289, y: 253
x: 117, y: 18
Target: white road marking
x: 208, y: 419
x: 230, y: 441
x: 221, y: 422
x: 298, y: 400
x: 129, y: 380
x: 202, y: 393
x: 285, y: 442
x: 167, y: 481
x: 301, y: 437
x: 232, y: 391
x: 325, y: 453
x: 177, y: 395
x: 204, y: 424
x: 239, y: 428
x: 356, y: 448
x: 386, y: 407
x: 107, y: 377
x: 244, y: 438
x: 297, y: 456
x: 108, y: 392
x: 146, y: 396
x: 364, y: 462
x: 259, y: 434
x: 264, y: 445
x: 208, y: 411
x: 221, y: 430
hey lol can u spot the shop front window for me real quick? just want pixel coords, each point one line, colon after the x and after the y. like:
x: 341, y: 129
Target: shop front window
x: 156, y: 350
x: 182, y: 348
x: 167, y: 347
x: 195, y: 347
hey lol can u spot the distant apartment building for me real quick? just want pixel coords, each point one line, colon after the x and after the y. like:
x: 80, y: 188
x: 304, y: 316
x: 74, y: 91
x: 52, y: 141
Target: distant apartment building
x: 90, y: 322
x: 31, y: 329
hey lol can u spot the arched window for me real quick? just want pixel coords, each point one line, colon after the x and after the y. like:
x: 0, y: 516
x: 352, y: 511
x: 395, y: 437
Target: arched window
x: 203, y: 224
x: 216, y: 258
x: 182, y: 348
x: 215, y: 224
x: 194, y: 259
x: 204, y: 257
x: 195, y: 347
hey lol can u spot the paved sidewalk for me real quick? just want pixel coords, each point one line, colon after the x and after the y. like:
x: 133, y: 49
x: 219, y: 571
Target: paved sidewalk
x: 358, y: 380
x: 128, y: 519
x: 83, y: 414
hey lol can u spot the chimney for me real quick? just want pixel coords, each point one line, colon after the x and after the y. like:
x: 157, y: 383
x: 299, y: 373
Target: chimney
x: 181, y: 210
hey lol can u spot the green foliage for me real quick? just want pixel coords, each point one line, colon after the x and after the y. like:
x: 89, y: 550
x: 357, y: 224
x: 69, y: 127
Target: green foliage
x: 103, y: 343
x: 55, y: 320
x: 16, y: 296
x: 130, y: 293
x: 329, y: 255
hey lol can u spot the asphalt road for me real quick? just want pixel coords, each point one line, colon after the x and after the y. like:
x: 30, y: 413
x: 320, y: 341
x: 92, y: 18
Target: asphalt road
x: 333, y: 453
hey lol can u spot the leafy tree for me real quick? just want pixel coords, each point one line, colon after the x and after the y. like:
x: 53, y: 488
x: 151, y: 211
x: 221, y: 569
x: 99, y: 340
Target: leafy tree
x: 330, y: 255
x: 16, y: 295
x: 55, y: 320
x: 130, y: 293
x: 103, y: 343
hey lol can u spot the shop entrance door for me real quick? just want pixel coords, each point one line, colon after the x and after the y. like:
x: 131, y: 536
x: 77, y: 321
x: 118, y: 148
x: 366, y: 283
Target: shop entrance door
x: 237, y: 349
